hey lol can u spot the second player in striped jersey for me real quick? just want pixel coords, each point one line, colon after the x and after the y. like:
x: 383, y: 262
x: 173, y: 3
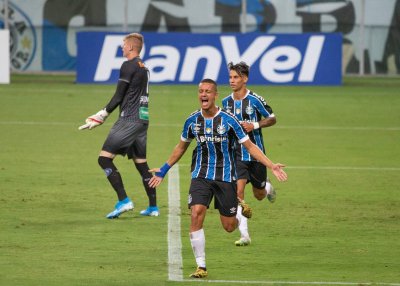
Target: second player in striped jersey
x: 254, y: 113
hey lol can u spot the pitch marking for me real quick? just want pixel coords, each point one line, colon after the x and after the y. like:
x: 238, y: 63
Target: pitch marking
x: 175, y: 264
x: 174, y: 226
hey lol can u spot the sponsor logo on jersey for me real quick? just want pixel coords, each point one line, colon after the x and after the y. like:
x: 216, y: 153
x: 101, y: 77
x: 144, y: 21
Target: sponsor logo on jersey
x: 216, y: 139
x: 228, y: 109
x: 144, y: 99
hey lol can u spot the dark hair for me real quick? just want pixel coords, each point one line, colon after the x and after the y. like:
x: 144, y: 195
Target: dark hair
x: 241, y: 68
x: 209, y: 80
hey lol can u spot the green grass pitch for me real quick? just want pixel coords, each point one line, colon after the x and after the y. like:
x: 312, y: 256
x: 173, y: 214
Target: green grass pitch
x: 336, y: 220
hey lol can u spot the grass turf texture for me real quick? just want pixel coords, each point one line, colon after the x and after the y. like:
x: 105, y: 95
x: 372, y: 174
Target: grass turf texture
x: 337, y: 219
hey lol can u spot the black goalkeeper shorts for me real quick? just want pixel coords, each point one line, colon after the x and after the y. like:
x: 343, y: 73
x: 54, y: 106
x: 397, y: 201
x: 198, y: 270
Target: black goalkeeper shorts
x: 127, y: 138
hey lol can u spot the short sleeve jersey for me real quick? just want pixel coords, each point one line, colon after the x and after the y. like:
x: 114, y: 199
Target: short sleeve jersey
x: 134, y: 106
x: 250, y: 109
x: 213, y: 157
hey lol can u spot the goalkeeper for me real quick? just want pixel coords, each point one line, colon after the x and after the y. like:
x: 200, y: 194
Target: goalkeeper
x: 128, y: 136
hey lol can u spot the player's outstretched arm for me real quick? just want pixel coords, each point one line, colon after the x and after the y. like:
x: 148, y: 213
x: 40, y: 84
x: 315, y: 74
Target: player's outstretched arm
x: 176, y: 155
x: 277, y: 169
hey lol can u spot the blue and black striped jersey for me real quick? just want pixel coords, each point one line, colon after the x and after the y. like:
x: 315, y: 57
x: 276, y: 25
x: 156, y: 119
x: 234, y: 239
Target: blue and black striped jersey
x: 213, y: 157
x: 251, y: 109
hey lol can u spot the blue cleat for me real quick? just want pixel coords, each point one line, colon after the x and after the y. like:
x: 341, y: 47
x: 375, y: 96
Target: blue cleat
x: 121, y: 207
x: 150, y: 211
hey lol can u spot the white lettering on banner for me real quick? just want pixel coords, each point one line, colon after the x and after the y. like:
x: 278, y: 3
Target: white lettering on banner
x: 168, y: 60
x: 251, y: 54
x: 192, y: 58
x: 273, y: 69
x: 108, y: 61
x: 276, y: 64
x: 311, y: 58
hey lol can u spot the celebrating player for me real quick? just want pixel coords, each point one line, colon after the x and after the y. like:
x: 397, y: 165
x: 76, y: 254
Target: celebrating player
x: 213, y: 167
x: 254, y: 113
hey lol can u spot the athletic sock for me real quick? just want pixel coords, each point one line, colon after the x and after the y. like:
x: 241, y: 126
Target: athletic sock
x: 242, y: 223
x: 198, y: 242
x: 113, y: 176
x: 268, y: 187
x: 143, y: 169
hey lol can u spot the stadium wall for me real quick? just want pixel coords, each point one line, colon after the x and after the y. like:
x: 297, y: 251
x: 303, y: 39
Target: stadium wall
x: 43, y: 32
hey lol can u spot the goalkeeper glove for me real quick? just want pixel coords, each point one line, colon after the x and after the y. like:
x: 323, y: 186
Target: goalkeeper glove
x: 95, y: 120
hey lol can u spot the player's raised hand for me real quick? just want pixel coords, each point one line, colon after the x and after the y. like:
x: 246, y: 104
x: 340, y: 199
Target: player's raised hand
x: 95, y: 120
x: 278, y: 172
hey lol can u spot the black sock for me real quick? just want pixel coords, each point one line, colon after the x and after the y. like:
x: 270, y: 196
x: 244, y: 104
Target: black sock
x: 143, y: 169
x: 113, y: 176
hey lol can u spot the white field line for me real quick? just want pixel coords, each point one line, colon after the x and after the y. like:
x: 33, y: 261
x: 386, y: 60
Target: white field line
x: 175, y: 264
x: 293, y: 282
x: 174, y: 226
x: 283, y: 127
x: 352, y: 128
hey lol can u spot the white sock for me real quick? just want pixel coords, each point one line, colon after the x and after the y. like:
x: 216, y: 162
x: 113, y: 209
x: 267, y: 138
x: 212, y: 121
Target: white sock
x: 268, y: 187
x: 198, y: 242
x: 242, y: 220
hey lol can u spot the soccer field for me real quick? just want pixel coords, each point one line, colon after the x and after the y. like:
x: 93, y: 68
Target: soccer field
x: 336, y: 220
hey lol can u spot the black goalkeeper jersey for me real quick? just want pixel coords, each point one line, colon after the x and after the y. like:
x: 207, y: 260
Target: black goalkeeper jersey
x: 134, y: 106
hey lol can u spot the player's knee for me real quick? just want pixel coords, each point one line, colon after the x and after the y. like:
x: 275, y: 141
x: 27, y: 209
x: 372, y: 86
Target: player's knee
x: 230, y: 227
x: 107, y: 165
x: 229, y: 224
x: 259, y: 194
x: 104, y: 162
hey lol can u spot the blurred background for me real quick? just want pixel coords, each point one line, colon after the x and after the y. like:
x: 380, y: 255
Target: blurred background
x: 43, y: 33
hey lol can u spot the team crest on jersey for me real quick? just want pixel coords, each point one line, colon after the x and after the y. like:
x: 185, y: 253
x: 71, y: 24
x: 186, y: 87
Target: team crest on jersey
x: 237, y: 110
x: 221, y: 129
x: 196, y: 128
x: 208, y: 130
x: 249, y: 110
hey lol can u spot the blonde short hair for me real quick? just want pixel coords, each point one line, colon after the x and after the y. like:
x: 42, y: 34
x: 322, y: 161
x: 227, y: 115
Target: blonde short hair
x: 136, y: 40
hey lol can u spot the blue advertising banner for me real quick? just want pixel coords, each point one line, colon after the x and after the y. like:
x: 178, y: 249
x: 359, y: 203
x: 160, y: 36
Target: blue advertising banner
x: 187, y: 58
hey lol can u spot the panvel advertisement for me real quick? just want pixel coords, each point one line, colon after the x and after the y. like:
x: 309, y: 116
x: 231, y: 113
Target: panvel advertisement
x: 43, y: 33
x: 276, y: 59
